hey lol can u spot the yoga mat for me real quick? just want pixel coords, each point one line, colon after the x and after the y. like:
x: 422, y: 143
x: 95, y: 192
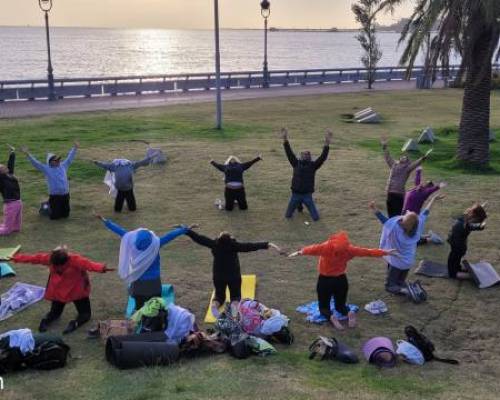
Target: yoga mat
x: 483, y: 274
x: 167, y: 294
x: 7, y: 253
x: 248, y: 283
x: 432, y: 269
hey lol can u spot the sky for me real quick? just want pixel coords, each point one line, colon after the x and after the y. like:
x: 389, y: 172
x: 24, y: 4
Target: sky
x: 186, y: 14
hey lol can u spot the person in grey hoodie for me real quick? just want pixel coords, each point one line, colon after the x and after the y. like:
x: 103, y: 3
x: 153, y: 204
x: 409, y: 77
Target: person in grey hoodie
x: 124, y: 171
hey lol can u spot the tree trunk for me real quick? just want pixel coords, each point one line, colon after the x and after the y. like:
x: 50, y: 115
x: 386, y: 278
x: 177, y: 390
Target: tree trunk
x: 473, y: 143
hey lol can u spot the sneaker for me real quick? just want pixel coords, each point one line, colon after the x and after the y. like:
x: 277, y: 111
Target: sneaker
x: 44, y: 325
x: 218, y: 204
x: 416, y: 292
x: 376, y: 307
x: 72, y: 326
x: 435, y: 238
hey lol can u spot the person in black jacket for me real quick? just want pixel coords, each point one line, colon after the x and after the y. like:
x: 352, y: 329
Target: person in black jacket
x: 233, y: 170
x: 11, y: 194
x: 472, y: 220
x: 304, y: 173
x: 226, y: 265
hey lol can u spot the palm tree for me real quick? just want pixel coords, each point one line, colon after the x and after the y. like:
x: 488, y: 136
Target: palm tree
x: 470, y: 28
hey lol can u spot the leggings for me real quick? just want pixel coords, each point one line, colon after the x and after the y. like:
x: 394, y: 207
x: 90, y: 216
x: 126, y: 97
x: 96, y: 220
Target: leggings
x: 235, y: 195
x: 455, y: 261
x: 127, y: 195
x: 395, y: 202
x: 59, y: 206
x: 336, y: 286
x: 82, y: 307
x: 234, y: 289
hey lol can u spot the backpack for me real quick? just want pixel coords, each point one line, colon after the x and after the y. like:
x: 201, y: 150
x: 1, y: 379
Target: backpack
x: 323, y: 347
x: 283, y: 336
x: 249, y: 314
x: 416, y: 292
x: 422, y: 343
x: 48, y: 355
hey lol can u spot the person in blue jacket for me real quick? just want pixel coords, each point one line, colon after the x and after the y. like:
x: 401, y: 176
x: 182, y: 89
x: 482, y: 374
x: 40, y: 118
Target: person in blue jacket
x: 139, y: 262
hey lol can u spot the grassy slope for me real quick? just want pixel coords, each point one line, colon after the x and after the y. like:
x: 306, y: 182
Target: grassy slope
x: 459, y: 318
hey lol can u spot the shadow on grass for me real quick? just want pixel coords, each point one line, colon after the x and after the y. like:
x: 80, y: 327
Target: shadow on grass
x: 443, y: 157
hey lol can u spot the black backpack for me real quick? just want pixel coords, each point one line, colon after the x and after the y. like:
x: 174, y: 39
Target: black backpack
x: 48, y: 355
x: 424, y: 345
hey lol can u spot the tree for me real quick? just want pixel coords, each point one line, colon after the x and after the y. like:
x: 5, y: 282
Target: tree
x: 365, y: 12
x: 471, y: 28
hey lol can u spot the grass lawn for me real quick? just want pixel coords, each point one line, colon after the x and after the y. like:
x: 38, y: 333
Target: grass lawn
x: 461, y: 320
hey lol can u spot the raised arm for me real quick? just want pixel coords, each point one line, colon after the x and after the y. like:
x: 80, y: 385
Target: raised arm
x: 143, y: 163
x: 114, y: 227
x: 71, y: 156
x: 418, y: 176
x: 248, y: 247
x: 11, y: 162
x: 248, y: 164
x: 200, y: 239
x: 220, y: 167
x: 292, y: 158
x: 37, y: 258
x: 380, y: 216
x: 429, y: 205
x: 87, y: 264
x: 37, y: 164
x: 173, y: 235
x: 322, y: 158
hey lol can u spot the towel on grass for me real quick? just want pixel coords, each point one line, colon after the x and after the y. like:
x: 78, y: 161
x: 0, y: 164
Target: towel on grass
x: 19, y: 297
x: 21, y: 338
x: 313, y: 315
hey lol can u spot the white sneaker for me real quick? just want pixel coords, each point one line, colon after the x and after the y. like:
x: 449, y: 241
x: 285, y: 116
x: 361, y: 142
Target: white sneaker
x: 376, y: 307
x: 435, y: 238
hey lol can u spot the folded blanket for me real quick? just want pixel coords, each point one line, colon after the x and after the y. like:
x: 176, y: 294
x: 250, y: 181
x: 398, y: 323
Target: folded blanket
x: 313, y: 315
x: 19, y: 297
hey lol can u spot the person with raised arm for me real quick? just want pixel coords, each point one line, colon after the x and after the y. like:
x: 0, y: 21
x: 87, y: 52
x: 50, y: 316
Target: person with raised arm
x: 11, y: 194
x: 304, y: 174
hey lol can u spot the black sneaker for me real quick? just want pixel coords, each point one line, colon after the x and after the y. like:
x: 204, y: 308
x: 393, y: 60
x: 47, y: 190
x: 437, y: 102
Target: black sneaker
x: 72, y: 326
x: 44, y: 325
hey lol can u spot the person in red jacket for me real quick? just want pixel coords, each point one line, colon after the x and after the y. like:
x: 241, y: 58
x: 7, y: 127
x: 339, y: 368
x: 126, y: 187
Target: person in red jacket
x: 334, y: 254
x: 68, y: 282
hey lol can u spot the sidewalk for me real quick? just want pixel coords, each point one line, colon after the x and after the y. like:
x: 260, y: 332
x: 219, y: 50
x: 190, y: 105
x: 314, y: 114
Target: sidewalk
x: 23, y: 109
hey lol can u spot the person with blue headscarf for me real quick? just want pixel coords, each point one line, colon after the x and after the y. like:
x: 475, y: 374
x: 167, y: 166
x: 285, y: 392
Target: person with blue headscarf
x: 139, y: 261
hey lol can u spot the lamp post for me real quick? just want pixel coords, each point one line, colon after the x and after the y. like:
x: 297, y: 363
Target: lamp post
x: 46, y: 6
x: 218, y: 124
x: 265, y: 10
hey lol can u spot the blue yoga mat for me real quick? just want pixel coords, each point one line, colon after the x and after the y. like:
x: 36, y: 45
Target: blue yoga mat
x: 167, y: 294
x: 313, y: 315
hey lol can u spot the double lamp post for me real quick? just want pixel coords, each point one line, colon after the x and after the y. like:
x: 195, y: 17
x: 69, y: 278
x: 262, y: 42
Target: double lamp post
x: 46, y: 6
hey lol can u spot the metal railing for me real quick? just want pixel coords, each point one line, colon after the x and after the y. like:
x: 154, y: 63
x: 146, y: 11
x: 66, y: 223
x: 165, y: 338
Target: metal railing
x: 16, y: 90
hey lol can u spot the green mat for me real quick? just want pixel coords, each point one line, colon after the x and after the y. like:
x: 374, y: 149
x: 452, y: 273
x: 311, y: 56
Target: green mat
x: 7, y: 253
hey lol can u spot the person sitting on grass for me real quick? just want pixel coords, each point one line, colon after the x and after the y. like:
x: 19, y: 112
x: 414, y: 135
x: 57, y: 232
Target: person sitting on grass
x: 68, y: 282
x: 139, y: 261
x: 123, y: 171
x: 56, y: 174
x: 472, y: 220
x: 226, y: 265
x: 334, y: 254
x: 400, y: 172
x: 11, y: 194
x: 233, y: 170
x: 401, y: 233
x: 415, y: 199
x: 304, y: 173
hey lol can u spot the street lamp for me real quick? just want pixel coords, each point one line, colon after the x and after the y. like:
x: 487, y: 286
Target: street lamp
x: 46, y: 6
x: 265, y: 10
x: 217, y: 67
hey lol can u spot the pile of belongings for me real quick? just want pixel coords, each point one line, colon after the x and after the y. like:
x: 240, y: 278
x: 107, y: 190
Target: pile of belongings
x: 252, y: 329
x: 21, y: 350
x: 19, y: 297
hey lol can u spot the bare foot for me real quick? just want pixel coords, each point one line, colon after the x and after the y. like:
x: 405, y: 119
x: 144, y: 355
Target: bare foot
x: 336, y: 323
x: 352, y: 320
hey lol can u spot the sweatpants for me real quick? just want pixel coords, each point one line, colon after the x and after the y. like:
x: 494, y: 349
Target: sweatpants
x: 82, y: 307
x: 396, y: 279
x: 234, y: 285
x: 59, y: 206
x: 455, y: 261
x: 12, y: 217
x: 298, y: 199
x: 125, y: 195
x: 336, y: 286
x: 235, y: 195
x: 395, y: 203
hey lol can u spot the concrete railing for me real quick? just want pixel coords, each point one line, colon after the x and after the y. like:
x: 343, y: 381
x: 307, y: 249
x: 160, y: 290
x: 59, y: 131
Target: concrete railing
x: 16, y: 90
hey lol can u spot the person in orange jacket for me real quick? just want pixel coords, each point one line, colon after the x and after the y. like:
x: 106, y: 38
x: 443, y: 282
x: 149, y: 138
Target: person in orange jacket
x: 334, y: 254
x: 68, y: 282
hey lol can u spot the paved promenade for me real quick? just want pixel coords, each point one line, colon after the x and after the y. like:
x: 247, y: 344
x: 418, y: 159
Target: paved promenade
x: 23, y: 109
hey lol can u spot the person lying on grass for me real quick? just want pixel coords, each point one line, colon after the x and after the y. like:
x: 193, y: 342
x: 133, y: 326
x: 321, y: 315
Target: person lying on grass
x: 68, y: 282
x: 334, y: 254
x: 402, y: 233
x: 304, y: 174
x: 139, y: 261
x: 226, y: 265
x: 123, y: 171
x: 56, y: 174
x: 415, y: 199
x: 399, y: 173
x: 472, y: 220
x: 233, y: 170
x: 11, y: 194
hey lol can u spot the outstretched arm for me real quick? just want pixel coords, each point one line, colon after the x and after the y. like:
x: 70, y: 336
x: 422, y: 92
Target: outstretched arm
x: 37, y: 258
x: 220, y: 167
x: 419, y: 162
x: 114, y: 227
x: 320, y: 249
x: 173, y: 235
x: 143, y: 163
x: 103, y: 165
x: 37, y: 164
x: 248, y: 164
x: 365, y: 252
x: 200, y: 239
x: 379, y: 214
x: 87, y: 264
x: 248, y: 247
x: 429, y: 205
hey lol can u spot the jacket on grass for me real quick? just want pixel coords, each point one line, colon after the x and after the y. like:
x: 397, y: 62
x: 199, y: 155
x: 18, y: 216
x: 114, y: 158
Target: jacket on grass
x: 68, y: 282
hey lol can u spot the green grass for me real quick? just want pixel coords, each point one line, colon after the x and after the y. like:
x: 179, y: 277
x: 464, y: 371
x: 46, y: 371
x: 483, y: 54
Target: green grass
x: 461, y: 320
